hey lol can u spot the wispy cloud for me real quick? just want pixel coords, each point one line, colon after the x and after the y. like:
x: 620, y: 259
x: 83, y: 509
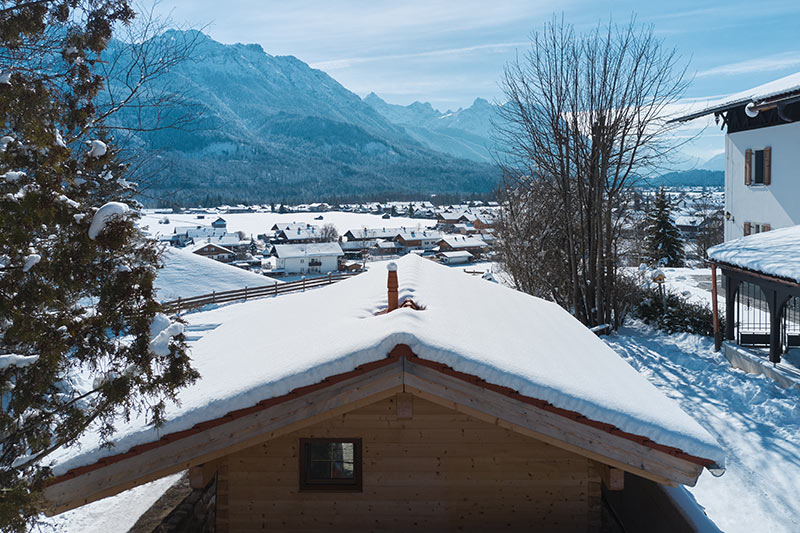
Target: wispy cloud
x: 761, y: 64
x: 348, y: 62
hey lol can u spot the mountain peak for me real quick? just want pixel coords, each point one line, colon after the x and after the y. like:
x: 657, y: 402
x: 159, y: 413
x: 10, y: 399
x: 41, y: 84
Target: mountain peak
x: 374, y: 98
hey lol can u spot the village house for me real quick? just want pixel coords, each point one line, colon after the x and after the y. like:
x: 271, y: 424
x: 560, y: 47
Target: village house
x: 183, y: 235
x: 370, y: 234
x: 420, y: 239
x: 309, y: 258
x: 761, y: 156
x: 296, y: 233
x: 484, y: 221
x: 454, y: 258
x: 219, y: 223
x: 213, y: 251
x: 444, y: 402
x: 468, y: 243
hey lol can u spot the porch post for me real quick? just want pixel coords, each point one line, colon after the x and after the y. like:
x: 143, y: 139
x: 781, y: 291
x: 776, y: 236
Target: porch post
x: 774, y: 327
x: 730, y: 291
x: 715, y: 308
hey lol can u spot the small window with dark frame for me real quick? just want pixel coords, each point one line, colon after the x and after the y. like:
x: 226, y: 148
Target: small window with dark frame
x: 758, y: 174
x: 330, y: 464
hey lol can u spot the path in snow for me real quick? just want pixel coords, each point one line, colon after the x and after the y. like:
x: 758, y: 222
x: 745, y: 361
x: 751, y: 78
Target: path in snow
x: 754, y: 419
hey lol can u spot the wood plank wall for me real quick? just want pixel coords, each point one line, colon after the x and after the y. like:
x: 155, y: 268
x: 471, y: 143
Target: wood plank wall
x: 437, y: 470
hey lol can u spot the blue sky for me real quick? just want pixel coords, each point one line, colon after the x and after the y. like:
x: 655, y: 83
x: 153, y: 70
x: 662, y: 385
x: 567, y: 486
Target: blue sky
x: 449, y: 53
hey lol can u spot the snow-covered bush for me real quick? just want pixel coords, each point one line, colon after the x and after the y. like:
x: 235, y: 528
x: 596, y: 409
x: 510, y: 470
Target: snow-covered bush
x: 672, y: 313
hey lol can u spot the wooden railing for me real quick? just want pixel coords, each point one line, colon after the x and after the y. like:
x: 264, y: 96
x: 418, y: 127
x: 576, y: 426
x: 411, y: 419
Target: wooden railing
x: 183, y: 304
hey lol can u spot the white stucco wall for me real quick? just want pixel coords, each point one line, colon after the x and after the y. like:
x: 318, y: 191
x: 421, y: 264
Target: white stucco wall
x: 300, y: 264
x: 777, y: 204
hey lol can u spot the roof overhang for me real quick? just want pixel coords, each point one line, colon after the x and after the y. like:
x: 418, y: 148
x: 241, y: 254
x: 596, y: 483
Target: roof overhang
x: 400, y: 371
x: 777, y: 101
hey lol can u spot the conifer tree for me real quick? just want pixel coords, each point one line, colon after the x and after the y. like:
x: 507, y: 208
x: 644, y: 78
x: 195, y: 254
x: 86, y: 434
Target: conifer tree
x: 82, y: 341
x: 663, y: 239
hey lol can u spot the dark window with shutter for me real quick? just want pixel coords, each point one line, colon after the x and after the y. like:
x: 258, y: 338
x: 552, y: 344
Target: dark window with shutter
x: 767, y: 165
x: 758, y: 175
x: 746, y: 229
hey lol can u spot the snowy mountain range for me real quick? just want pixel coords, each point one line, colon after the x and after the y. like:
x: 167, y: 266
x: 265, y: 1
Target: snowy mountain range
x: 463, y: 133
x: 274, y: 129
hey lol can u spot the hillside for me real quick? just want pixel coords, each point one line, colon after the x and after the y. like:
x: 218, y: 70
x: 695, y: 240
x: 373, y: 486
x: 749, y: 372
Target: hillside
x: 274, y: 129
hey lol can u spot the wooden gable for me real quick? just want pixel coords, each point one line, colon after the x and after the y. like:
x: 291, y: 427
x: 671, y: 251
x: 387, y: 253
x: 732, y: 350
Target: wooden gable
x: 400, y: 372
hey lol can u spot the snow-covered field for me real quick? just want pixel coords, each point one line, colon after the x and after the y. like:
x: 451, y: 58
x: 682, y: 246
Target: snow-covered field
x: 186, y: 274
x: 755, y: 420
x: 256, y: 223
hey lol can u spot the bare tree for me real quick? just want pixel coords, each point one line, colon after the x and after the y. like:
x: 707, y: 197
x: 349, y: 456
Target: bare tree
x: 328, y: 233
x: 584, y: 118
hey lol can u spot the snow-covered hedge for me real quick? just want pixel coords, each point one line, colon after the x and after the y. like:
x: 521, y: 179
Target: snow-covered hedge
x: 673, y: 313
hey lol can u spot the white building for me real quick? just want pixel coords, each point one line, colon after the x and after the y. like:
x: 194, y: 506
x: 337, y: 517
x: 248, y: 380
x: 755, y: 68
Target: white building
x: 454, y: 258
x: 762, y: 156
x: 308, y: 258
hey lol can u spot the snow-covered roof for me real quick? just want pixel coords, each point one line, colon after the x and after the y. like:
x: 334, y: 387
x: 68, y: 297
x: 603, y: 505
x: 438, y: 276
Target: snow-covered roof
x: 199, y: 245
x: 504, y: 336
x: 775, y: 252
x: 314, y: 249
x: 301, y: 233
x: 456, y: 255
x: 290, y: 226
x: 785, y: 86
x: 464, y: 241
x: 373, y: 233
x: 419, y: 234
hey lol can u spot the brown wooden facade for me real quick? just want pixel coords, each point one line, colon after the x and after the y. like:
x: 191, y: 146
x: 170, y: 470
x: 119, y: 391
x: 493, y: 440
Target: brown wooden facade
x: 434, y: 469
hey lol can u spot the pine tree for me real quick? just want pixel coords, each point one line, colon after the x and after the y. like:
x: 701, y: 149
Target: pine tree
x: 663, y: 239
x: 76, y: 275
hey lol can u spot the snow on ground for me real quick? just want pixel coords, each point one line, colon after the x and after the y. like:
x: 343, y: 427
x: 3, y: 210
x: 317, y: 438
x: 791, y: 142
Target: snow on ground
x: 694, y: 284
x: 477, y: 327
x: 753, y: 418
x: 253, y: 224
x: 110, y: 515
x: 187, y: 274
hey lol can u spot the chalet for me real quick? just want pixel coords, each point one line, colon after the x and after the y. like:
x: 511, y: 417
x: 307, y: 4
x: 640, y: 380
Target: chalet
x: 219, y: 223
x: 213, y: 251
x: 420, y: 239
x: 317, y: 258
x: 445, y: 403
x: 484, y: 221
x: 763, y: 133
x: 468, y: 243
x: 761, y: 284
x: 183, y: 235
x: 298, y: 234
x: 450, y: 218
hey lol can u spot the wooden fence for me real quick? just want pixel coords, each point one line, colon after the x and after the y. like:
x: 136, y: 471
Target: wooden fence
x: 184, y: 304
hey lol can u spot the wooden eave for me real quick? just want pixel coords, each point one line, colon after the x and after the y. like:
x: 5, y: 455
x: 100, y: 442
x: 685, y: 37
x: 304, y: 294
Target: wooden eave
x: 400, y: 371
x: 756, y: 273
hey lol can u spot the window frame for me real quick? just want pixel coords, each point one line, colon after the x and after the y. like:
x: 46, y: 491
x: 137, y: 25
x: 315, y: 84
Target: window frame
x: 308, y: 484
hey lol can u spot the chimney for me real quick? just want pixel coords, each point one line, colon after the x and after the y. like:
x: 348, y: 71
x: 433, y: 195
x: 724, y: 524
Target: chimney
x: 391, y: 284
